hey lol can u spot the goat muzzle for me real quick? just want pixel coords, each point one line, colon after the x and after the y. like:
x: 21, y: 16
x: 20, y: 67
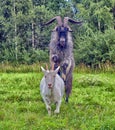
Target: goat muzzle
x: 62, y: 41
x: 50, y: 86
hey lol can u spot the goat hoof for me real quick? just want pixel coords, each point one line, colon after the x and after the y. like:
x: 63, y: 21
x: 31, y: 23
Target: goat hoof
x: 56, y: 111
x: 66, y: 100
x: 54, y: 58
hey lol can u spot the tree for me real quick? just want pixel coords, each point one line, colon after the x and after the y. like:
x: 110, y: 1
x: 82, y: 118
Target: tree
x: 24, y: 40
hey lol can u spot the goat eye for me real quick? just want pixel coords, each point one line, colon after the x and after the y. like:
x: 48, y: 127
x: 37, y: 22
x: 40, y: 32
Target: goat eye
x: 45, y: 76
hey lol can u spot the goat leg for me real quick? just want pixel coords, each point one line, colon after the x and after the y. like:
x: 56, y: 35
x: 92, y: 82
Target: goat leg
x: 47, y: 103
x: 58, y: 103
x: 55, y: 58
x: 68, y: 86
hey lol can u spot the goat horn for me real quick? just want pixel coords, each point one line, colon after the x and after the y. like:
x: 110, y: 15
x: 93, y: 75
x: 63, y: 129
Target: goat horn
x: 52, y: 66
x: 66, y: 19
x: 58, y: 18
x: 46, y: 66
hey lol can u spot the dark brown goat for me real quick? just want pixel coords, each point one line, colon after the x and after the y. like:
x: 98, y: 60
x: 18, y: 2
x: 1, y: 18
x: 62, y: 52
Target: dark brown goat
x: 61, y: 50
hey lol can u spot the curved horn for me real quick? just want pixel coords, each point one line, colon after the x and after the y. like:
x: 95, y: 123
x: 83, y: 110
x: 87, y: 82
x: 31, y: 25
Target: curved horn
x: 52, y: 66
x: 58, y: 18
x: 66, y: 19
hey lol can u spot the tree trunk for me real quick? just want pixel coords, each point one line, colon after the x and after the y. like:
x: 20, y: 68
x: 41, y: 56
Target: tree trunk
x: 33, y: 37
x: 15, y: 31
x: 114, y: 14
x: 99, y: 25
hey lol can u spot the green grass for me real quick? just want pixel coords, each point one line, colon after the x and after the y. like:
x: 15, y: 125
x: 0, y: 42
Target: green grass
x: 91, y: 105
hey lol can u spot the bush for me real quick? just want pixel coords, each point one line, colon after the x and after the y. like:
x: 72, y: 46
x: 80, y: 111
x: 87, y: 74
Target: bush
x: 91, y: 81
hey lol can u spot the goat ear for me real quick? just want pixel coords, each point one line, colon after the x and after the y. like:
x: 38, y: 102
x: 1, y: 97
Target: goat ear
x: 57, y: 69
x: 43, y: 69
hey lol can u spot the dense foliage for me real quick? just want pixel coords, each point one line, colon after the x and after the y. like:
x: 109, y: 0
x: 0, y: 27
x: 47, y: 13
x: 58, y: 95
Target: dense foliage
x: 23, y: 40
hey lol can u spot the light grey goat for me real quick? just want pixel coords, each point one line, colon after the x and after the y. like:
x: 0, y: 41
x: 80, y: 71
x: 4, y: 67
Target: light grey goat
x: 61, y: 50
x: 52, y: 89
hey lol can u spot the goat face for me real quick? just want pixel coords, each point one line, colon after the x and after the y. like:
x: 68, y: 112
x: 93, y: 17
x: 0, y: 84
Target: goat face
x: 62, y: 29
x: 50, y: 79
x: 62, y: 36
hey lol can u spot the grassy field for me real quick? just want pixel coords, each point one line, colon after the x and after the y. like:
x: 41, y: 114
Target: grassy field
x: 91, y: 105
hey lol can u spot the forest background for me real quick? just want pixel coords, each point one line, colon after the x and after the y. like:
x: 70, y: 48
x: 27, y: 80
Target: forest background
x: 24, y: 41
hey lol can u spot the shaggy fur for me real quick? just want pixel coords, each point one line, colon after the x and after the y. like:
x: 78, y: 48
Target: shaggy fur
x: 61, y: 50
x: 63, y: 57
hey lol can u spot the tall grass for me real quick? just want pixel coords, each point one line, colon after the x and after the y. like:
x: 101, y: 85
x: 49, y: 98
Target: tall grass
x: 101, y: 67
x: 81, y: 68
x: 20, y: 68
